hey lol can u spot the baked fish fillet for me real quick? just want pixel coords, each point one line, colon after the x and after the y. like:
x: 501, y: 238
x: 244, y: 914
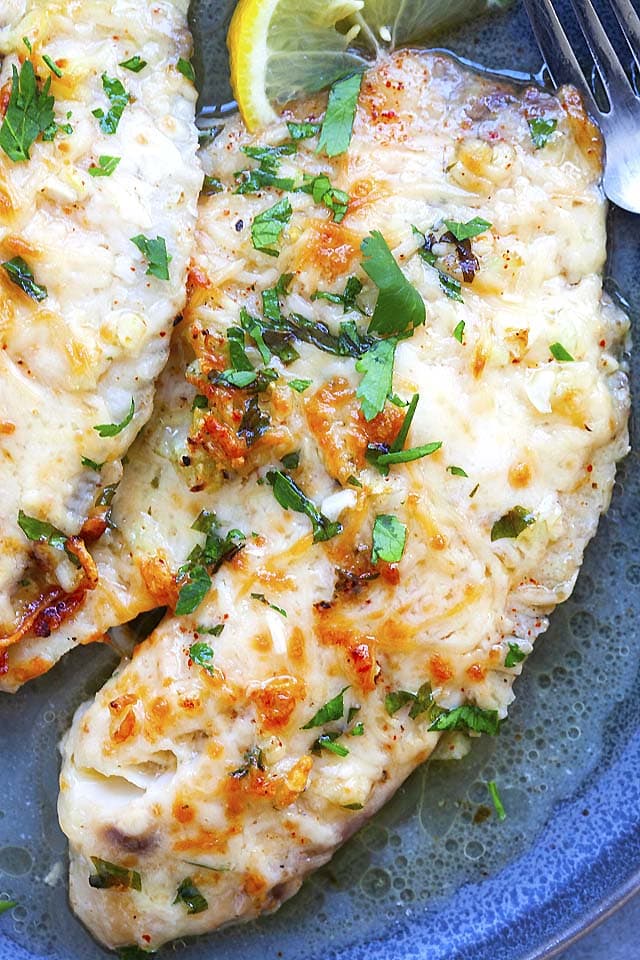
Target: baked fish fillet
x: 344, y: 603
x: 99, y: 181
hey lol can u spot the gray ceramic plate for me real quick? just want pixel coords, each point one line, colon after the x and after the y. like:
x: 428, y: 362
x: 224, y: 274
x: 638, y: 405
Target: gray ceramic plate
x: 435, y: 875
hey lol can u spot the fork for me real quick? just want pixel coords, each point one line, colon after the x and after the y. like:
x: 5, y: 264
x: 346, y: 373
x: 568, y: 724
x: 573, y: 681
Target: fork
x: 620, y: 124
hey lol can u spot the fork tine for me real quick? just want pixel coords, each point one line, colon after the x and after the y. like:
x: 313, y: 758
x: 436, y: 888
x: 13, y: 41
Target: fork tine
x: 606, y: 58
x: 559, y: 57
x: 629, y: 24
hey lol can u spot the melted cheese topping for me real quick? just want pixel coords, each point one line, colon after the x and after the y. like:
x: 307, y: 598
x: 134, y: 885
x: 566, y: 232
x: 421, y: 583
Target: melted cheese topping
x: 98, y: 340
x: 178, y: 771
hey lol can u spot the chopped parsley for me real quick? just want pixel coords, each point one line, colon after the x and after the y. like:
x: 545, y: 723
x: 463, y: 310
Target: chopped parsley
x: 133, y: 952
x: 347, y: 299
x: 303, y: 130
x: 267, y: 226
x: 514, y: 656
x: 91, y: 464
x: 105, y: 166
x: 189, y: 894
x: 468, y: 717
x: 332, y: 710
x: 396, y: 700
x: 200, y: 402
x: 55, y: 69
x: 186, y: 69
x: 261, y: 597
x: 420, y: 701
x: 327, y: 741
x: 377, y: 366
x: 155, y: 253
x: 202, y: 655
x: 20, y: 273
x: 497, y: 802
x: 322, y: 191
x: 214, y: 631
x: 205, y: 560
x: 7, y: 905
x: 40, y: 531
x: 300, y: 385
x: 451, y: 287
x: 541, y: 129
x: 469, y: 230
x: 558, y: 352
x: 512, y: 524
x: 457, y: 471
x: 135, y: 64
x: 118, y: 98
x: 389, y: 538
x: 399, y: 308
x: 255, y: 422
x: 113, y: 429
x: 253, y: 760
x: 357, y: 730
x: 211, y: 186
x: 266, y: 174
x: 291, y: 461
x: 291, y: 497
x: 337, y: 126
x: 110, y: 875
x: 459, y: 331
x: 407, y: 456
x: 29, y: 113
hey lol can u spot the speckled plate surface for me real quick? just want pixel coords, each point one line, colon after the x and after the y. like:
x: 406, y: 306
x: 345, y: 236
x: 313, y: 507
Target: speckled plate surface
x: 435, y: 875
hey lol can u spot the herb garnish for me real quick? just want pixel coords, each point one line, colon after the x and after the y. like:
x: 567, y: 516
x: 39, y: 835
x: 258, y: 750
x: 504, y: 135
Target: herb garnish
x: 389, y: 538
x: 55, y: 69
x: 457, y: 472
x: 155, y: 253
x: 261, y: 597
x: 468, y: 717
x: 267, y: 226
x: 40, y: 531
x: 514, y: 656
x: 300, y: 385
x: 541, y: 129
x: 303, y: 130
x: 109, y: 875
x: 253, y: 760
x: 558, y: 352
x: 213, y: 631
x: 113, y: 429
x: 449, y: 284
x: 211, y: 186
x: 347, y: 299
x: 469, y: 230
x: 291, y: 461
x: 407, y: 456
x: 291, y: 497
x: 91, y: 464
x: 205, y: 560
x: 118, y: 97
x: 200, y: 402
x: 512, y: 524
x: 322, y: 191
x: 135, y: 64
x: 189, y: 894
x: 134, y: 952
x: 20, y: 273
x: 332, y: 710
x: 337, y: 126
x: 255, y: 422
x: 497, y: 802
x: 29, y: 113
x: 420, y: 701
x: 399, y: 308
x: 377, y: 367
x: 202, y: 655
x: 326, y: 741
x: 7, y: 905
x: 105, y: 167
x: 186, y: 69
x: 266, y: 174
x: 459, y: 331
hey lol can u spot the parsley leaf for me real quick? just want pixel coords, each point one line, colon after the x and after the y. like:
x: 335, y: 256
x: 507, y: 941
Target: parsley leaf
x: 267, y: 226
x: 300, y: 385
x: 29, y: 113
x: 558, y: 352
x: 40, y: 531
x: 211, y: 186
x: 253, y: 759
x: 449, y: 284
x: 337, y: 126
x: 420, y: 701
x: 303, y: 130
x: 200, y: 402
x: 541, y: 129
x: 204, y: 560
x: 389, y: 538
x: 189, y: 894
x: 377, y: 366
x: 202, y: 655
x: 469, y: 230
x: 459, y: 331
x: 512, y: 524
x: 255, y: 422
x: 332, y: 710
x: 20, y: 273
x: 91, y: 464
x: 322, y: 191
x: 135, y: 64
x: 291, y: 461
x: 113, y: 429
x: 106, y: 166
x: 55, y: 69
x: 7, y: 905
x: 110, y: 875
x: 399, y: 308
x: 457, y: 471
x: 514, y: 656
x: 261, y: 597
x: 118, y: 97
x: 155, y: 253
x: 497, y: 802
x: 186, y: 69
x: 407, y: 456
x: 326, y: 741
x: 468, y: 717
x: 291, y: 497
x: 212, y: 631
x: 352, y: 290
x: 396, y: 700
x: 133, y: 952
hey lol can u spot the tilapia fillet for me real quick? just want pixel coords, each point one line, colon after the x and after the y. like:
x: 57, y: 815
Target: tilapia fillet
x: 99, y: 180
x: 349, y: 606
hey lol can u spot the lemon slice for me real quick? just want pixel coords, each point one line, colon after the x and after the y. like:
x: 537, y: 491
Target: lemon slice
x: 280, y: 49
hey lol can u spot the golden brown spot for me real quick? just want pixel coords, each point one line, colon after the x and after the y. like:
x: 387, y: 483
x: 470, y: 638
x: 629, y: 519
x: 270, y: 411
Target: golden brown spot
x: 476, y: 672
x: 479, y: 361
x: 126, y: 728
x: 7, y: 428
x: 330, y: 249
x: 439, y: 668
x: 438, y: 542
x: 359, y: 649
x: 296, y: 644
x: 118, y: 705
x: 292, y: 785
x: 262, y: 642
x: 520, y: 474
x: 276, y: 700
x: 35, y: 667
x: 159, y: 580
x: 254, y: 884
x: 204, y: 841
x: 182, y: 811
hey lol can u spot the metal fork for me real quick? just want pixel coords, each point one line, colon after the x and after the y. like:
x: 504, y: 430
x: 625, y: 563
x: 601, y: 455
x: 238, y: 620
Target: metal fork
x: 621, y: 122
